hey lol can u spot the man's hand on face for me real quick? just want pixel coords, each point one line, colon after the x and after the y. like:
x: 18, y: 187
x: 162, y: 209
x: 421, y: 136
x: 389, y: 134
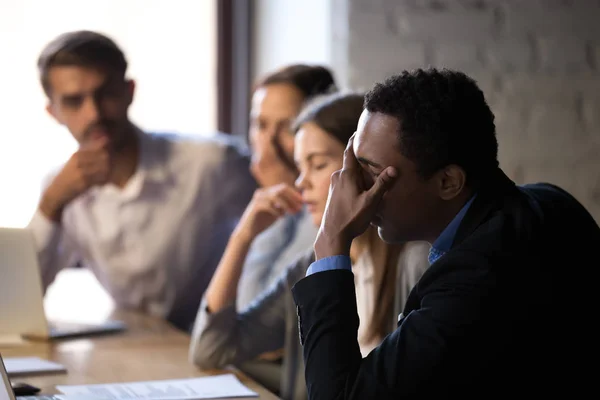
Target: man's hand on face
x: 87, y: 167
x: 350, y: 206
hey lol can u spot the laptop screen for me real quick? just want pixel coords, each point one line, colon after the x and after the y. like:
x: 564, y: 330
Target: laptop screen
x: 6, y: 392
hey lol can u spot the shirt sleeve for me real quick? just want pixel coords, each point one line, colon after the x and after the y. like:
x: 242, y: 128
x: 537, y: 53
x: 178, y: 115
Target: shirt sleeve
x: 54, y: 250
x: 330, y: 263
x: 228, y: 337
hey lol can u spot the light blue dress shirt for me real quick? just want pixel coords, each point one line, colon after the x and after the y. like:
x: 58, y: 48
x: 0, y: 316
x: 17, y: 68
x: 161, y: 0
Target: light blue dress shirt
x: 444, y: 242
x: 272, y: 252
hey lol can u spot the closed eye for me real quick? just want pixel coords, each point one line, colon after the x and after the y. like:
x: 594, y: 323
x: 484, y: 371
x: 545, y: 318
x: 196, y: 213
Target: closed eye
x: 374, y: 174
x: 72, y: 101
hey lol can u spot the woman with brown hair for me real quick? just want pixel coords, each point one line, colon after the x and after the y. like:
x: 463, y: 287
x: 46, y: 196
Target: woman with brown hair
x: 384, y: 274
x: 277, y: 98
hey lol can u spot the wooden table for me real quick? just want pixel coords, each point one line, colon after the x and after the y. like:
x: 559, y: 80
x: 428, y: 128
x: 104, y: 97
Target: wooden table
x: 150, y: 349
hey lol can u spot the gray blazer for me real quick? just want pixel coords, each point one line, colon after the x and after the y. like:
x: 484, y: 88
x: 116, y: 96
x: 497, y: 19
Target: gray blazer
x: 270, y: 323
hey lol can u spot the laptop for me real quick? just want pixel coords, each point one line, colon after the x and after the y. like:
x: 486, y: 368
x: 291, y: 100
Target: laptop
x: 7, y: 393
x: 22, y: 299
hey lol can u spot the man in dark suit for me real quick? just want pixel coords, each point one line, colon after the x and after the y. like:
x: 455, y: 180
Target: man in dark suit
x: 503, y: 310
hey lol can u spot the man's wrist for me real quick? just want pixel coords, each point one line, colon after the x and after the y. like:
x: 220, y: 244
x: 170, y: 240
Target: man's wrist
x: 51, y: 205
x: 327, y: 245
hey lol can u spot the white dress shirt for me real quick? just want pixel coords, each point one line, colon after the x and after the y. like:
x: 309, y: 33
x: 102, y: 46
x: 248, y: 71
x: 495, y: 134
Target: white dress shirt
x: 155, y: 243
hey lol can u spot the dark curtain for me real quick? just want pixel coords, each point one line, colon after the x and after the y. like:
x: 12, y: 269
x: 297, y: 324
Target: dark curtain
x: 234, y: 40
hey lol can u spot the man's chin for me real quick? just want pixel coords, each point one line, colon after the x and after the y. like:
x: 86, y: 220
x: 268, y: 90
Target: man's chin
x: 382, y: 233
x: 386, y: 235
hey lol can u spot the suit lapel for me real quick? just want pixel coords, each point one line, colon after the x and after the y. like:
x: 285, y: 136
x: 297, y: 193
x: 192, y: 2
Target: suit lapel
x: 489, y: 199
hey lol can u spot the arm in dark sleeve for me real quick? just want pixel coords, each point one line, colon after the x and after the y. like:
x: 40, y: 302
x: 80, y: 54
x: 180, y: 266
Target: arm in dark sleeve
x: 452, y: 297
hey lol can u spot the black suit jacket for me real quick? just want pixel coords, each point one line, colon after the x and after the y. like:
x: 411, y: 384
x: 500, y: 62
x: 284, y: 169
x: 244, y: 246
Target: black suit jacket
x: 507, y: 311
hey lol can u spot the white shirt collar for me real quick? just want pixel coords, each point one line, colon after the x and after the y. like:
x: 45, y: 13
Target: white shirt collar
x: 152, y: 168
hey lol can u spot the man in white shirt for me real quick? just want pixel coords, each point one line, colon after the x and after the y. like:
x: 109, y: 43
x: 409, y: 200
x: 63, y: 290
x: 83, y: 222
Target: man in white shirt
x: 149, y: 214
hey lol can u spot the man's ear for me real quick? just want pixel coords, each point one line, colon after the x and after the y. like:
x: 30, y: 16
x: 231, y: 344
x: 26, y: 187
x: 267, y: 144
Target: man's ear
x: 50, y: 110
x: 451, y: 180
x: 130, y: 91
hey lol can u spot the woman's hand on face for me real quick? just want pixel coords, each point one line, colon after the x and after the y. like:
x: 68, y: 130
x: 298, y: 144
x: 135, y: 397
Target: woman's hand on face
x: 267, y: 166
x: 267, y: 206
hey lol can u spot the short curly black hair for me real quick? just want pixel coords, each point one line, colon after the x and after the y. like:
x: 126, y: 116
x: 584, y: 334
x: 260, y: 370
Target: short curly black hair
x: 444, y: 119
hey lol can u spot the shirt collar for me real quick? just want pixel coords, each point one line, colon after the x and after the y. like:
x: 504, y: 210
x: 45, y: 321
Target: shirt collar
x: 444, y: 242
x: 153, y: 157
x: 151, y: 168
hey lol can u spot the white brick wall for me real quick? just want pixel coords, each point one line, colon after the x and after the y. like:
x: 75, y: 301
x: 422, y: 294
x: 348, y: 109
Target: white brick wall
x: 538, y: 61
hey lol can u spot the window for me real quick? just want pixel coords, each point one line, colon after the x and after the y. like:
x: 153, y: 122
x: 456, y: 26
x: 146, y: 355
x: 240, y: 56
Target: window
x: 170, y: 46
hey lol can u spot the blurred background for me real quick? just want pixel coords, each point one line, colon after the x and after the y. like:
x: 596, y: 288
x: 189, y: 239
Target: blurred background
x: 194, y: 61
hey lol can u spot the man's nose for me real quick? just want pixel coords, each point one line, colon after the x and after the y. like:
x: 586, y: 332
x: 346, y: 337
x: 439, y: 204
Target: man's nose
x: 91, y: 108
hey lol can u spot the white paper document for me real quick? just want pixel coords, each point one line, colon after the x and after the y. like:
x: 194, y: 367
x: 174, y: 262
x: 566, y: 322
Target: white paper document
x: 210, y: 387
x: 30, y: 366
